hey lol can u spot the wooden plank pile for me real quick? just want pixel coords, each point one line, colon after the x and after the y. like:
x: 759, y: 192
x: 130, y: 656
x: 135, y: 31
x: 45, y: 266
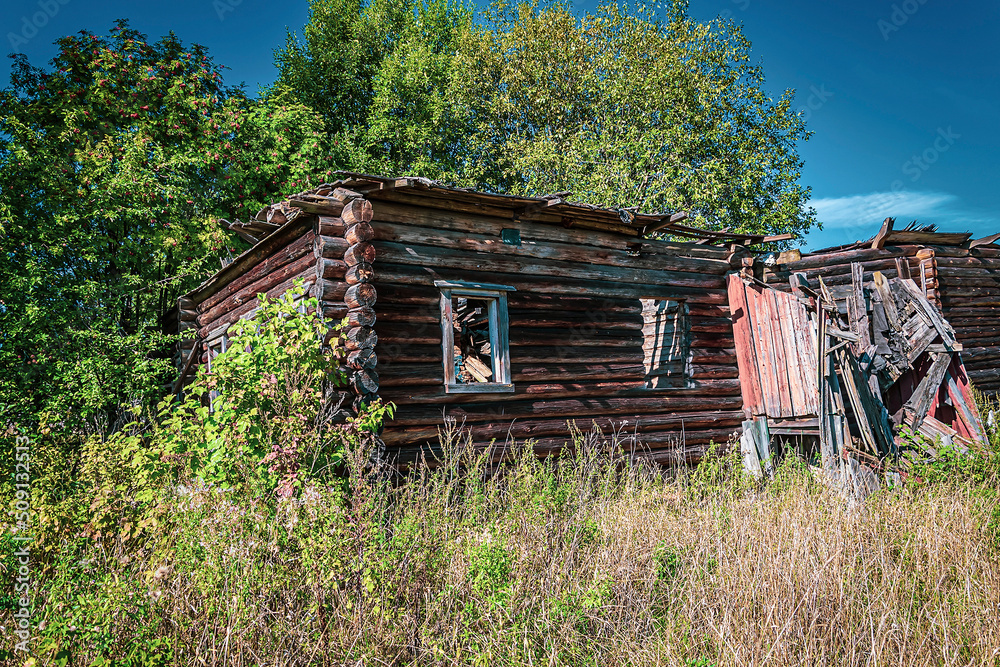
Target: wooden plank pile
x: 885, y: 361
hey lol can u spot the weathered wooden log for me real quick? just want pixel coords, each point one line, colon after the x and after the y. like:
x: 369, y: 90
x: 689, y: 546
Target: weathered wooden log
x: 482, y: 241
x: 365, y: 358
x: 297, y: 248
x: 328, y: 207
x: 230, y: 316
x: 330, y: 246
x: 330, y: 269
x: 863, y: 255
x: 500, y: 426
x: 345, y: 195
x: 331, y: 291
x: 361, y: 317
x: 249, y: 293
x: 187, y: 315
x: 362, y: 252
x: 357, y: 210
x: 359, y: 233
x: 359, y: 273
x: 186, y: 303
x: 420, y: 255
x: 360, y: 338
x: 330, y: 226
x: 334, y: 312
x: 706, y: 392
x: 274, y: 245
x: 411, y: 276
x: 990, y: 252
x: 362, y: 295
x: 365, y: 381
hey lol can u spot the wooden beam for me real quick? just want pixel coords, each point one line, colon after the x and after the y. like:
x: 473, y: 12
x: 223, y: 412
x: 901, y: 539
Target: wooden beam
x: 883, y: 233
x: 672, y: 220
x: 986, y: 240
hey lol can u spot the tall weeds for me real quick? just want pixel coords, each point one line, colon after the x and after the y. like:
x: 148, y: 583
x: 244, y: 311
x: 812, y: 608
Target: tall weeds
x: 591, y: 558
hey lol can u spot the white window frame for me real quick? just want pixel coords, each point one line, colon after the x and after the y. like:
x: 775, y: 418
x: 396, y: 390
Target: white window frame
x: 496, y: 296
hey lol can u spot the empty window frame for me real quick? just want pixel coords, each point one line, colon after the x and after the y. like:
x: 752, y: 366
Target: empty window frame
x: 474, y: 337
x: 666, y: 332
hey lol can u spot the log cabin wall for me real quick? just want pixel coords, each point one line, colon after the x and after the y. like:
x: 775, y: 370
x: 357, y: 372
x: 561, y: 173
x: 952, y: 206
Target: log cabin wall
x: 969, y: 287
x: 270, y: 267
x: 576, y: 328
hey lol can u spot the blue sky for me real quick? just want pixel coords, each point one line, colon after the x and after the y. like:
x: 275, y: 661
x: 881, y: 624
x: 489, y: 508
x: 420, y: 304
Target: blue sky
x: 903, y: 96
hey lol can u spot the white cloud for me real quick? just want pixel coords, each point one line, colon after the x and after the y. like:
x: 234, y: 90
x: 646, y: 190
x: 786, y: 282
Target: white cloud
x: 858, y: 217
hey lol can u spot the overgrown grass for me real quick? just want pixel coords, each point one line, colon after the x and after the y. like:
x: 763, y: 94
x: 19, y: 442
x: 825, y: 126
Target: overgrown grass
x: 587, y: 559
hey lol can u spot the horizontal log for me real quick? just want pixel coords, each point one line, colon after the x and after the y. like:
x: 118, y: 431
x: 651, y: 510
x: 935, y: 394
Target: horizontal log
x: 361, y: 232
x: 330, y: 246
x: 471, y: 242
x: 187, y: 314
x: 668, y: 447
x: 987, y: 264
x: 421, y: 255
x: 331, y: 291
x: 249, y: 293
x: 361, y: 295
x: 551, y: 391
x: 500, y: 428
x: 230, y: 316
x: 330, y: 226
x: 410, y: 275
x: 334, y: 314
x: 241, y: 266
x: 976, y: 273
x: 653, y: 403
x: 360, y: 254
x: 357, y: 210
x: 324, y: 208
x: 331, y: 269
x: 299, y: 246
x: 359, y: 273
x: 491, y: 220
x: 831, y: 259
x: 984, y: 252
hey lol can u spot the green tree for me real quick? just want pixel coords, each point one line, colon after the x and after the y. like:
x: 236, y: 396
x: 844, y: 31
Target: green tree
x: 625, y: 109
x: 114, y: 164
x: 620, y: 107
x: 381, y: 73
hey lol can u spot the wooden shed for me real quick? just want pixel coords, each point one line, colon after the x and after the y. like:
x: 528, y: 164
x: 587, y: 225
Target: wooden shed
x: 958, y: 274
x: 514, y: 315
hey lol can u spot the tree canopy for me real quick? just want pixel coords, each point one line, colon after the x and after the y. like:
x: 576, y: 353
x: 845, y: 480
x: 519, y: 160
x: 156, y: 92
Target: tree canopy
x: 620, y: 107
x: 114, y: 164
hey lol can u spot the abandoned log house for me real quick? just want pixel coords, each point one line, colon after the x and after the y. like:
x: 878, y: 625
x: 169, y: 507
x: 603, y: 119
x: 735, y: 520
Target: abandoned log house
x: 517, y: 315
x: 514, y: 315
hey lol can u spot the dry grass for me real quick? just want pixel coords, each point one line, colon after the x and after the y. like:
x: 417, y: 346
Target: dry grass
x: 589, y: 560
